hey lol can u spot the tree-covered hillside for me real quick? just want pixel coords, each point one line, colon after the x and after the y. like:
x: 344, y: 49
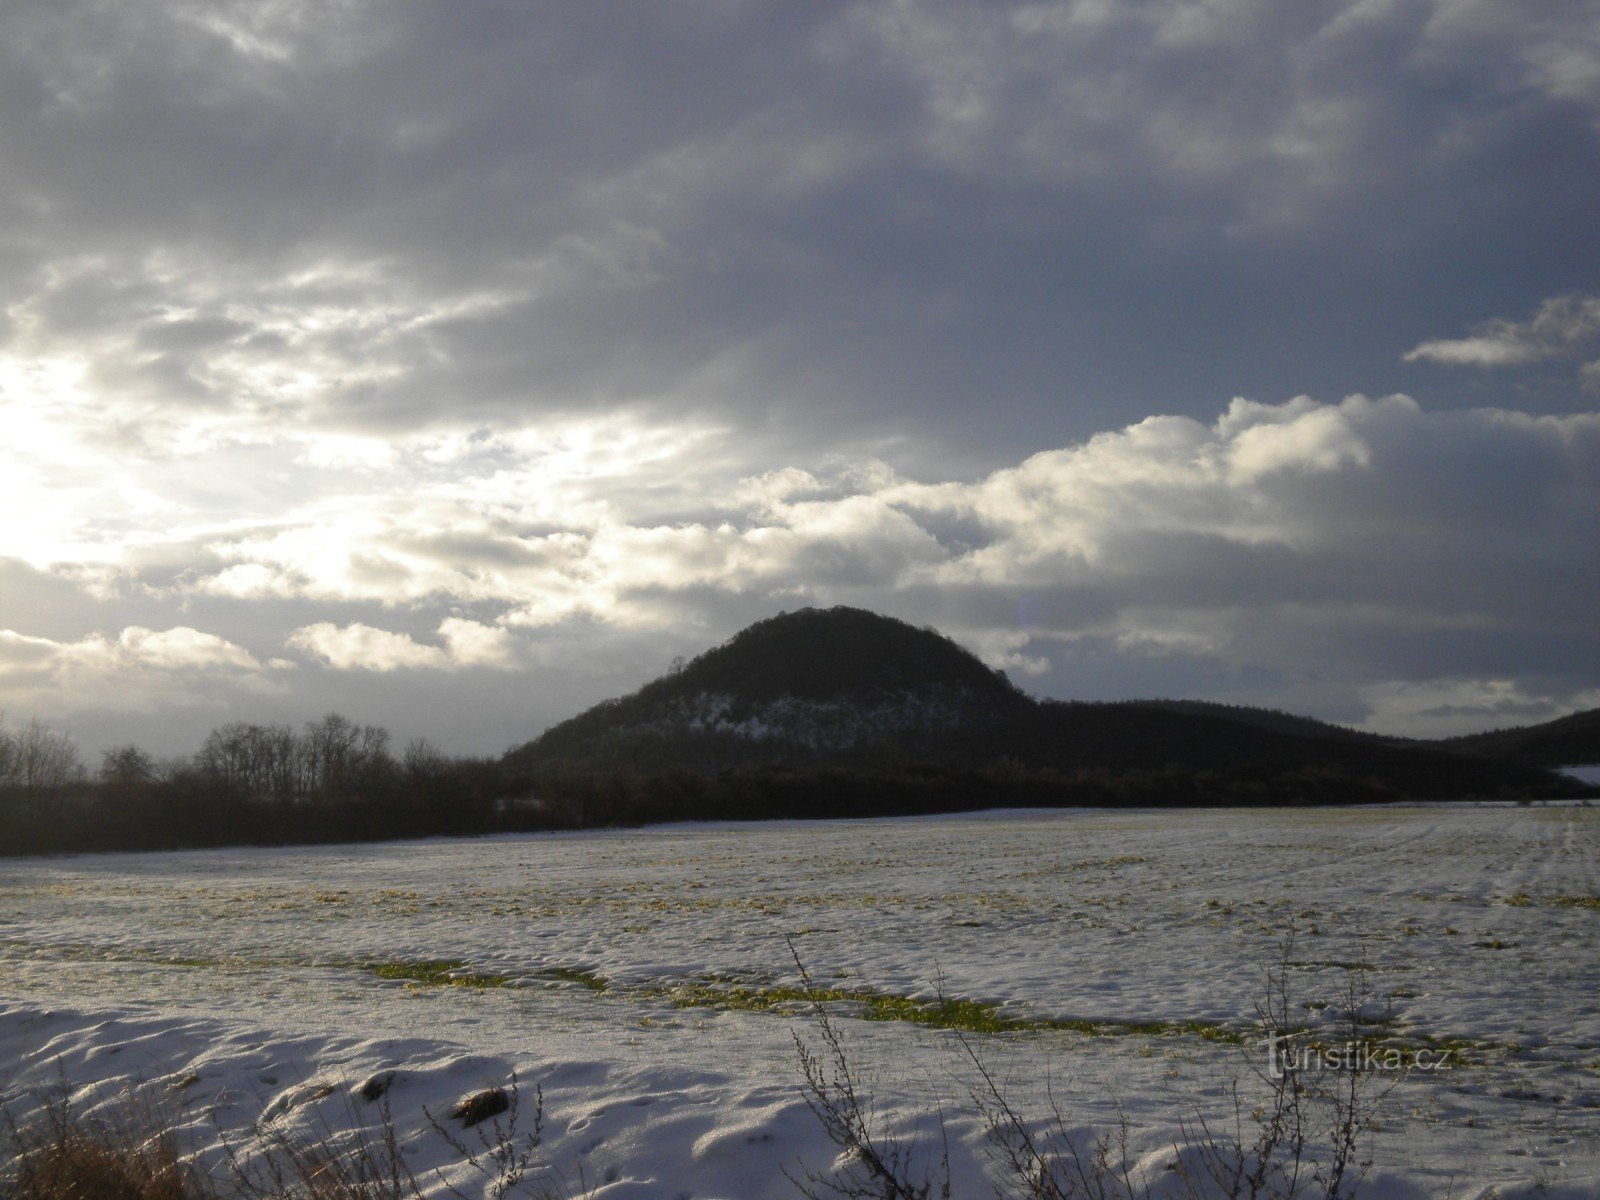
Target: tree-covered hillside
x: 1565, y: 742
x: 842, y: 689
x: 827, y: 683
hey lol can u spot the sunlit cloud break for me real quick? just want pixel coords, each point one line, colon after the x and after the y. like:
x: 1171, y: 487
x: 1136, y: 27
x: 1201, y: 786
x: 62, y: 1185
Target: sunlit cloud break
x: 1277, y: 537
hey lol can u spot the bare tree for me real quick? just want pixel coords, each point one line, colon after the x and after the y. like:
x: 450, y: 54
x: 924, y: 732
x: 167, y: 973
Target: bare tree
x: 265, y: 760
x: 329, y: 752
x: 8, y: 753
x: 127, y: 765
x: 45, y: 759
x: 421, y: 760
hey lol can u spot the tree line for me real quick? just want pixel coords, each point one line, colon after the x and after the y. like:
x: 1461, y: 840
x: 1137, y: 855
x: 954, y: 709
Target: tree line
x: 333, y: 780
x: 250, y: 784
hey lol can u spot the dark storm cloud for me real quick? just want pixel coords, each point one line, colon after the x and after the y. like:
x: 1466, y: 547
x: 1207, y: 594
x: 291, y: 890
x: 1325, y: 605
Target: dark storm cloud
x: 1079, y: 213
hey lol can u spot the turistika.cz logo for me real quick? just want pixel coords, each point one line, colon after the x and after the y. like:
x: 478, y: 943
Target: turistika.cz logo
x: 1285, y: 1056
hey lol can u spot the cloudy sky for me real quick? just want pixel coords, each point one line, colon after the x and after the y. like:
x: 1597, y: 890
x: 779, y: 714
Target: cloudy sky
x: 455, y: 365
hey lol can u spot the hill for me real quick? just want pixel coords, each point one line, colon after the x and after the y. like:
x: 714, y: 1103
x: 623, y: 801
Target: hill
x: 1268, y: 718
x: 1572, y: 740
x: 794, y: 688
x: 1567, y: 741
x: 857, y: 694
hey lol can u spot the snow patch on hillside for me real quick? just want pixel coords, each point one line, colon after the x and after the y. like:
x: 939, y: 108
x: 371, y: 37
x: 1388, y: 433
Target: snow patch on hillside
x: 830, y: 724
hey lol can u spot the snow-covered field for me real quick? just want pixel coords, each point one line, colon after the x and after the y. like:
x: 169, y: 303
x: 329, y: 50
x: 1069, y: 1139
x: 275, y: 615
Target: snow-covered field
x: 631, y: 976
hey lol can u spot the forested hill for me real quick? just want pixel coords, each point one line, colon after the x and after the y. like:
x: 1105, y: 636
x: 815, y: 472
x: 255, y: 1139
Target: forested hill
x: 1565, y: 742
x: 848, y: 690
x: 1268, y: 718
x: 1572, y: 740
x: 797, y: 686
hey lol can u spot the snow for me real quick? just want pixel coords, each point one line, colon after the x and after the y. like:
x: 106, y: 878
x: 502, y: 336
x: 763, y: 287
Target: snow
x: 825, y: 724
x: 244, y: 968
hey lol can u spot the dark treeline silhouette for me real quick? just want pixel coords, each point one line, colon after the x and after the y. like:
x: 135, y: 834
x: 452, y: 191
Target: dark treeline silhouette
x: 817, y: 713
x: 332, y: 780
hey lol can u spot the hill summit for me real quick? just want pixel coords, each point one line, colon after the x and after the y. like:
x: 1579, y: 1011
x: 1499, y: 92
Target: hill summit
x: 836, y: 654
x: 800, y: 684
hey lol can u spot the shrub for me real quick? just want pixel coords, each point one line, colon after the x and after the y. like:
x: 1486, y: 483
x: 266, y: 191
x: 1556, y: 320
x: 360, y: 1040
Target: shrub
x: 60, y: 1155
x: 1299, y: 1139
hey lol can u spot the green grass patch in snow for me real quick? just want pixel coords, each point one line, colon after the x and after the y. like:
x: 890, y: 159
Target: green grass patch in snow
x: 588, y: 979
x: 435, y: 972
x: 968, y: 1016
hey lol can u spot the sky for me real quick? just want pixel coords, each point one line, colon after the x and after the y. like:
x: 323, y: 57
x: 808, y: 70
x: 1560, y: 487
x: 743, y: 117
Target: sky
x: 456, y: 365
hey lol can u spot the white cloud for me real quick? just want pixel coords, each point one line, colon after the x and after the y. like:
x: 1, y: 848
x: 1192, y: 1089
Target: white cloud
x: 1005, y: 650
x: 1566, y: 325
x: 1495, y: 347
x: 137, y: 668
x: 1173, y: 630
x: 1307, y: 438
x: 1077, y: 513
x: 359, y: 647
x: 250, y: 581
x: 1262, y: 507
x: 183, y: 648
x: 474, y: 644
x: 176, y: 649
x: 1553, y: 48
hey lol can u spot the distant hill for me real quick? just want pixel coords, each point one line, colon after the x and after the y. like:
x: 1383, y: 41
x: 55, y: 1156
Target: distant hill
x: 795, y: 687
x: 1565, y: 742
x: 846, y: 690
x: 1572, y: 740
x: 1268, y: 718
x: 1135, y: 736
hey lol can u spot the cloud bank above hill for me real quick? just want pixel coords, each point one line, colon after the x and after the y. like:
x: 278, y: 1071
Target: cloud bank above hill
x: 1346, y: 555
